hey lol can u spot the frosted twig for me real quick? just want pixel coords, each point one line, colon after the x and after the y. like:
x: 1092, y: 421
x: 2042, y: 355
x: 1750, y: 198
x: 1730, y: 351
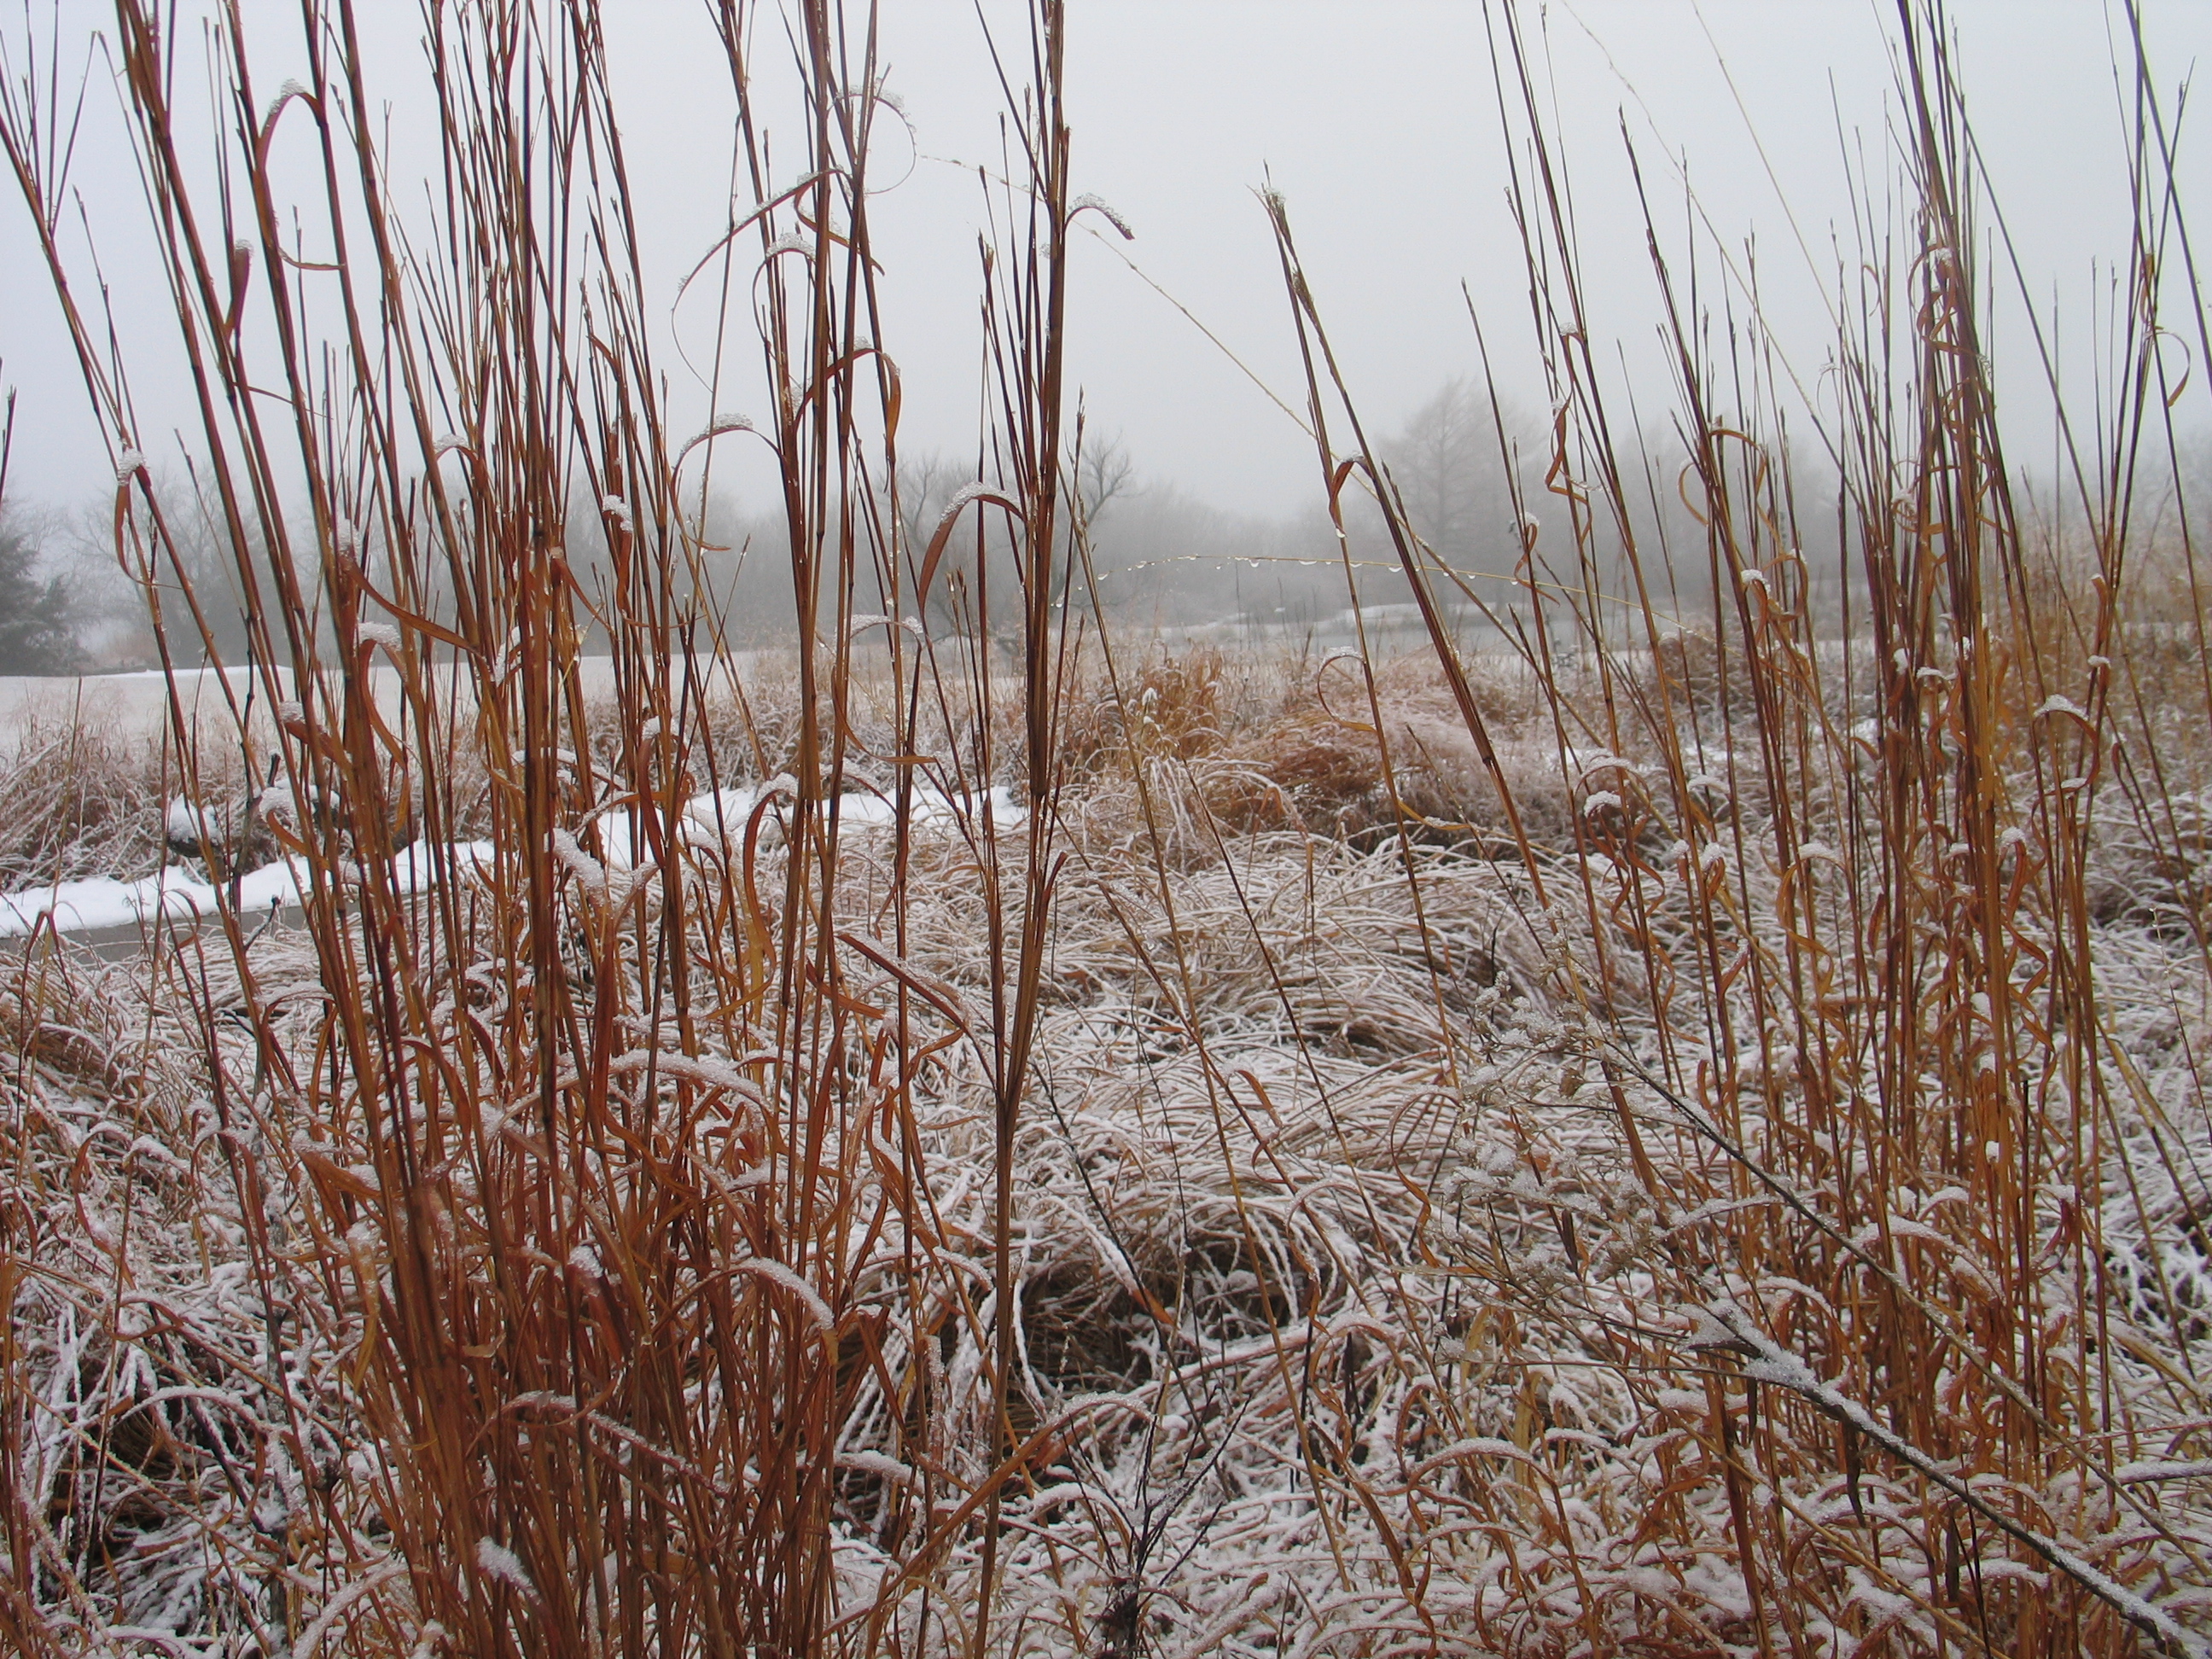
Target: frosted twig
x: 1768, y: 1362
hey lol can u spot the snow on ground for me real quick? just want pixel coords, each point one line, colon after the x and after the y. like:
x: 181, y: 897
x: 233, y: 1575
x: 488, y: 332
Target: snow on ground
x: 107, y: 902
x: 137, y: 703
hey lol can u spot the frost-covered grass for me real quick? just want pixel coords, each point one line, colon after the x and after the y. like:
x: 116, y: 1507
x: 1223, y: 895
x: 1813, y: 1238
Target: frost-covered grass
x: 1346, y: 1319
x: 1646, y: 1142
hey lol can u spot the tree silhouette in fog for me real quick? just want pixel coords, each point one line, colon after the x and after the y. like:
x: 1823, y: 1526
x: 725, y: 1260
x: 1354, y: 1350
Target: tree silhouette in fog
x: 1446, y: 463
x: 36, y: 635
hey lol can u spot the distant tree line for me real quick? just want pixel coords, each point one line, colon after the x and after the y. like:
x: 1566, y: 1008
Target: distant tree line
x: 1480, y: 485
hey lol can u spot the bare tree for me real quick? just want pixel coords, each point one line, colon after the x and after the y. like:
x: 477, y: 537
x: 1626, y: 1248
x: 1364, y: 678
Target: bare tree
x: 1446, y: 463
x: 926, y: 485
x: 1105, y: 474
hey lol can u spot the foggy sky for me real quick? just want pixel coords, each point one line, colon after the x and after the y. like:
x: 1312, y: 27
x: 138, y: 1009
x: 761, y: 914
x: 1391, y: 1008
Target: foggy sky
x: 1378, y: 121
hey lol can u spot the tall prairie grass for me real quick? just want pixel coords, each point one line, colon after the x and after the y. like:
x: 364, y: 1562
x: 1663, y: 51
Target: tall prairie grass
x: 990, y: 1138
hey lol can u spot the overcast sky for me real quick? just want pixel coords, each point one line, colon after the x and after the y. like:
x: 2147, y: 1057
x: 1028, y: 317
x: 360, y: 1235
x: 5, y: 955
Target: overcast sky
x: 1376, y: 120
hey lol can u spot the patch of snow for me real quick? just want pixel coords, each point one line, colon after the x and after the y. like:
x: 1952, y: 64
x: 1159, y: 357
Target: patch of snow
x: 187, y: 826
x: 107, y: 902
x: 586, y: 868
x: 104, y: 901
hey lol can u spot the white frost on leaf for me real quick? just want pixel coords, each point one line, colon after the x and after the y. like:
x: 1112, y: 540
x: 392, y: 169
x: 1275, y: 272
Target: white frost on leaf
x: 1098, y: 204
x: 776, y: 1273
x: 958, y: 504
x: 1709, y: 1334
x: 579, y: 863
x: 501, y: 1562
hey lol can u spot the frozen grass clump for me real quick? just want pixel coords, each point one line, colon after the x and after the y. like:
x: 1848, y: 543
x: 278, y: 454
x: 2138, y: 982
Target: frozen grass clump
x: 78, y: 801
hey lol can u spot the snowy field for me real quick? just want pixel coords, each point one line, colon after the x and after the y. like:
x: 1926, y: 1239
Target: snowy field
x: 138, y: 708
x: 210, y: 703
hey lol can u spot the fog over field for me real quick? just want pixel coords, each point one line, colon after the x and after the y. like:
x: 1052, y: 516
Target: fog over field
x: 1382, y: 130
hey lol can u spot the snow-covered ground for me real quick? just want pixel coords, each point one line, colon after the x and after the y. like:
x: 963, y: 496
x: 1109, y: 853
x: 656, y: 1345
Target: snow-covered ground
x: 134, y: 703
x: 721, y: 815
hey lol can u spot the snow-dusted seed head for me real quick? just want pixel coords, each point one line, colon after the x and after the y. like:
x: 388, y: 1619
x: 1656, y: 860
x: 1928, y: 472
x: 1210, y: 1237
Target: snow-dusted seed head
x: 285, y: 94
